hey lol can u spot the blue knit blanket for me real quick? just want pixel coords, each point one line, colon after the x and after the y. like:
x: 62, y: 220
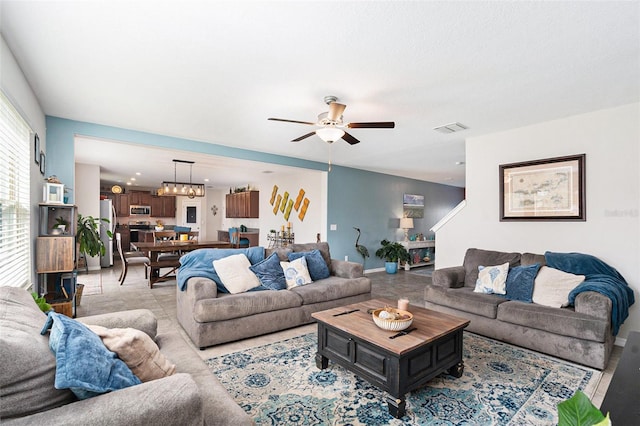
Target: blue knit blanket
x: 599, y: 277
x: 199, y: 263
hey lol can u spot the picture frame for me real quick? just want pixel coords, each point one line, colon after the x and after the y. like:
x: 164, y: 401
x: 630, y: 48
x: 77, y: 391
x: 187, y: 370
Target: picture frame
x: 42, y: 163
x: 413, y: 206
x: 36, y: 148
x: 551, y: 189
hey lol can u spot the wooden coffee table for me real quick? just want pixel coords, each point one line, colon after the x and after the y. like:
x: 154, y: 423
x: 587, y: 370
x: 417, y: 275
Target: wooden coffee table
x: 348, y: 336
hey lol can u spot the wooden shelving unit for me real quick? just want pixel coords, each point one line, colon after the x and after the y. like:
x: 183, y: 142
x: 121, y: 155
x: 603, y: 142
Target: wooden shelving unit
x: 55, y: 257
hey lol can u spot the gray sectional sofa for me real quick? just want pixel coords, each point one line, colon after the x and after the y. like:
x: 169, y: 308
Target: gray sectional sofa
x: 581, y: 333
x: 192, y: 396
x: 210, y: 317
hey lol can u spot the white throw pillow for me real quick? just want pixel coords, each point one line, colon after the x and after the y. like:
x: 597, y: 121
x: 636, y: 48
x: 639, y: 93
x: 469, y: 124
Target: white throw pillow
x: 552, y: 287
x: 296, y: 272
x: 492, y: 279
x: 235, y: 274
x: 137, y: 350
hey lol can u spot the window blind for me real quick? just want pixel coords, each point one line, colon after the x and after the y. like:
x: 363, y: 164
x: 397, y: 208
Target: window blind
x: 15, y: 205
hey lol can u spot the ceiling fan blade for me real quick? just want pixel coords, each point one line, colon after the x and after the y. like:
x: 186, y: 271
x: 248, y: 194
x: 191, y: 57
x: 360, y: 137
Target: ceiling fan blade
x: 372, y: 125
x: 350, y: 139
x: 304, y: 136
x: 292, y: 121
x: 335, y: 111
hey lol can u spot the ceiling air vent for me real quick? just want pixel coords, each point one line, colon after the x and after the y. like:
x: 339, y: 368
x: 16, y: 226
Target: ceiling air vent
x: 450, y: 128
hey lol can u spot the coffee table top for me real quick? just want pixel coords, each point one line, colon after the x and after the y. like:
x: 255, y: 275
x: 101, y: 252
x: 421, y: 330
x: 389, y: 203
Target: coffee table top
x: 430, y: 325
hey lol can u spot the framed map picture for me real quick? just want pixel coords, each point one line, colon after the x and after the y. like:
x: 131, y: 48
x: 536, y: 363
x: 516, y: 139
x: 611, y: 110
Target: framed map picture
x: 552, y: 189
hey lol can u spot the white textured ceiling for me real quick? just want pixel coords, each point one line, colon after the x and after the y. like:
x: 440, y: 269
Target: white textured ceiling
x: 215, y: 71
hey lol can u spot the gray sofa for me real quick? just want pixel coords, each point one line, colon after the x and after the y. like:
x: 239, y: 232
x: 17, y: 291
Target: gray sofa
x: 210, y: 317
x: 192, y: 396
x: 581, y: 333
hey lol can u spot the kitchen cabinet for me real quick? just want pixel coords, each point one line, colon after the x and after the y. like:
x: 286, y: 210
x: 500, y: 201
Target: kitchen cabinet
x: 164, y: 206
x: 121, y: 204
x: 243, y: 205
x: 139, y: 198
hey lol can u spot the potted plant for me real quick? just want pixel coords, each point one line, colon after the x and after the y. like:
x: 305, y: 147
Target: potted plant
x: 392, y: 253
x: 88, y: 236
x: 60, y: 226
x: 578, y: 410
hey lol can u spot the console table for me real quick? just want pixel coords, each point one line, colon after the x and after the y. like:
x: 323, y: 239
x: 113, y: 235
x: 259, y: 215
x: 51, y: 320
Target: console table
x: 418, y: 250
x: 623, y: 394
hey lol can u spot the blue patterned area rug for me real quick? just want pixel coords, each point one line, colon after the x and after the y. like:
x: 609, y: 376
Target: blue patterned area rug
x: 279, y: 384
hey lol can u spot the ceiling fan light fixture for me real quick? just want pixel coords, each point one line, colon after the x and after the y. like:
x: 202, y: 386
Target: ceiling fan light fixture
x: 330, y: 134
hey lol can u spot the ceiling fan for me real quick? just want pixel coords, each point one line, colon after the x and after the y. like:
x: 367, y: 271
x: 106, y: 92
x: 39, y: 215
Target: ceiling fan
x: 331, y: 124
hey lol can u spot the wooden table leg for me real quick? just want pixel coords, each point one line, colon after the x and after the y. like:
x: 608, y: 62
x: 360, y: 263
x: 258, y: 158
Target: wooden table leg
x: 397, y: 406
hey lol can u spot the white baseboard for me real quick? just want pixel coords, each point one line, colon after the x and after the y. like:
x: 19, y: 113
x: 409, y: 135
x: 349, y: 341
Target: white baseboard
x: 374, y: 270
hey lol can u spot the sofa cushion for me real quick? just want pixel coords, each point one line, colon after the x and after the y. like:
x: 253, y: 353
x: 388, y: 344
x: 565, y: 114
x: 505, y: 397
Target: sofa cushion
x: 318, y: 269
x: 564, y: 322
x: 137, y: 350
x: 235, y: 274
x: 332, y: 288
x: 28, y: 366
x: 296, y: 272
x: 270, y: 273
x: 322, y: 247
x: 532, y: 258
x: 464, y: 299
x: 228, y: 306
x: 281, y: 252
x: 552, y: 287
x: 476, y: 257
x: 492, y: 279
x: 520, y: 281
x: 83, y: 363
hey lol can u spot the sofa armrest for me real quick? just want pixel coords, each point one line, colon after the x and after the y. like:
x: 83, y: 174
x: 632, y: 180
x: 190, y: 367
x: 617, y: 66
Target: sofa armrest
x: 173, y: 400
x: 594, y: 304
x: 345, y: 269
x: 140, y: 319
x: 452, y: 277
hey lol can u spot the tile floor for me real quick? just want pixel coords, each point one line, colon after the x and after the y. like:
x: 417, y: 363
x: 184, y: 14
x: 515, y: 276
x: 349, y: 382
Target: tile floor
x: 103, y: 294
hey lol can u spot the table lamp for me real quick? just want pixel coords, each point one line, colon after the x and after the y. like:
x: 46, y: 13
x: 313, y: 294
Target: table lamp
x: 406, y: 223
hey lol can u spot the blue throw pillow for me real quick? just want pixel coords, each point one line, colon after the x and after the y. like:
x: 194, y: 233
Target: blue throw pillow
x: 318, y: 268
x: 520, y: 282
x: 270, y: 273
x: 182, y: 228
x: 83, y: 363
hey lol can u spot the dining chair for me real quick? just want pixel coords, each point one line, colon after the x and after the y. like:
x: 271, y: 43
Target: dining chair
x: 131, y: 258
x: 235, y: 240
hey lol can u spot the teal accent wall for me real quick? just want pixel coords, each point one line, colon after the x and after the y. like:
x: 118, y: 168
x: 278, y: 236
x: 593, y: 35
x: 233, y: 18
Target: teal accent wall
x: 373, y: 202
x: 356, y: 198
x: 60, y: 146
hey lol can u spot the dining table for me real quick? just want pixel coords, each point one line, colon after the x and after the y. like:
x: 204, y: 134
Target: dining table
x: 179, y: 247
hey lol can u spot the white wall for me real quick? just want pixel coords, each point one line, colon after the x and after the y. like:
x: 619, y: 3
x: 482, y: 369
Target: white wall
x: 610, y: 139
x: 17, y: 89
x: 314, y: 184
x: 87, y: 197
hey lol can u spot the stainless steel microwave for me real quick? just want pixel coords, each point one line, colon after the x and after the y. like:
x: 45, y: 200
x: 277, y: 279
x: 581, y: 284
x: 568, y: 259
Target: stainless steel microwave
x: 139, y: 210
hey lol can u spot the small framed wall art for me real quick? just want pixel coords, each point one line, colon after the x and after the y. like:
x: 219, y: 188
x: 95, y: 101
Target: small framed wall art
x: 36, y: 148
x: 42, y: 163
x: 552, y: 189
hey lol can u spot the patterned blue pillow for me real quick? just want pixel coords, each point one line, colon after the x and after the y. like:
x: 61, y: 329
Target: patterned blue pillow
x: 520, y: 282
x: 270, y: 273
x: 318, y: 268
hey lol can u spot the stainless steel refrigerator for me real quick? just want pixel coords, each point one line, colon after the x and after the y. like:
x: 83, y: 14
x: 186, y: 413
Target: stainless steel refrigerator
x: 107, y: 211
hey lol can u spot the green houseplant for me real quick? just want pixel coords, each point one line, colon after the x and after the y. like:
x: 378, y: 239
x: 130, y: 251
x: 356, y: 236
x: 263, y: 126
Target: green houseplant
x: 579, y: 411
x: 392, y: 253
x: 88, y: 235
